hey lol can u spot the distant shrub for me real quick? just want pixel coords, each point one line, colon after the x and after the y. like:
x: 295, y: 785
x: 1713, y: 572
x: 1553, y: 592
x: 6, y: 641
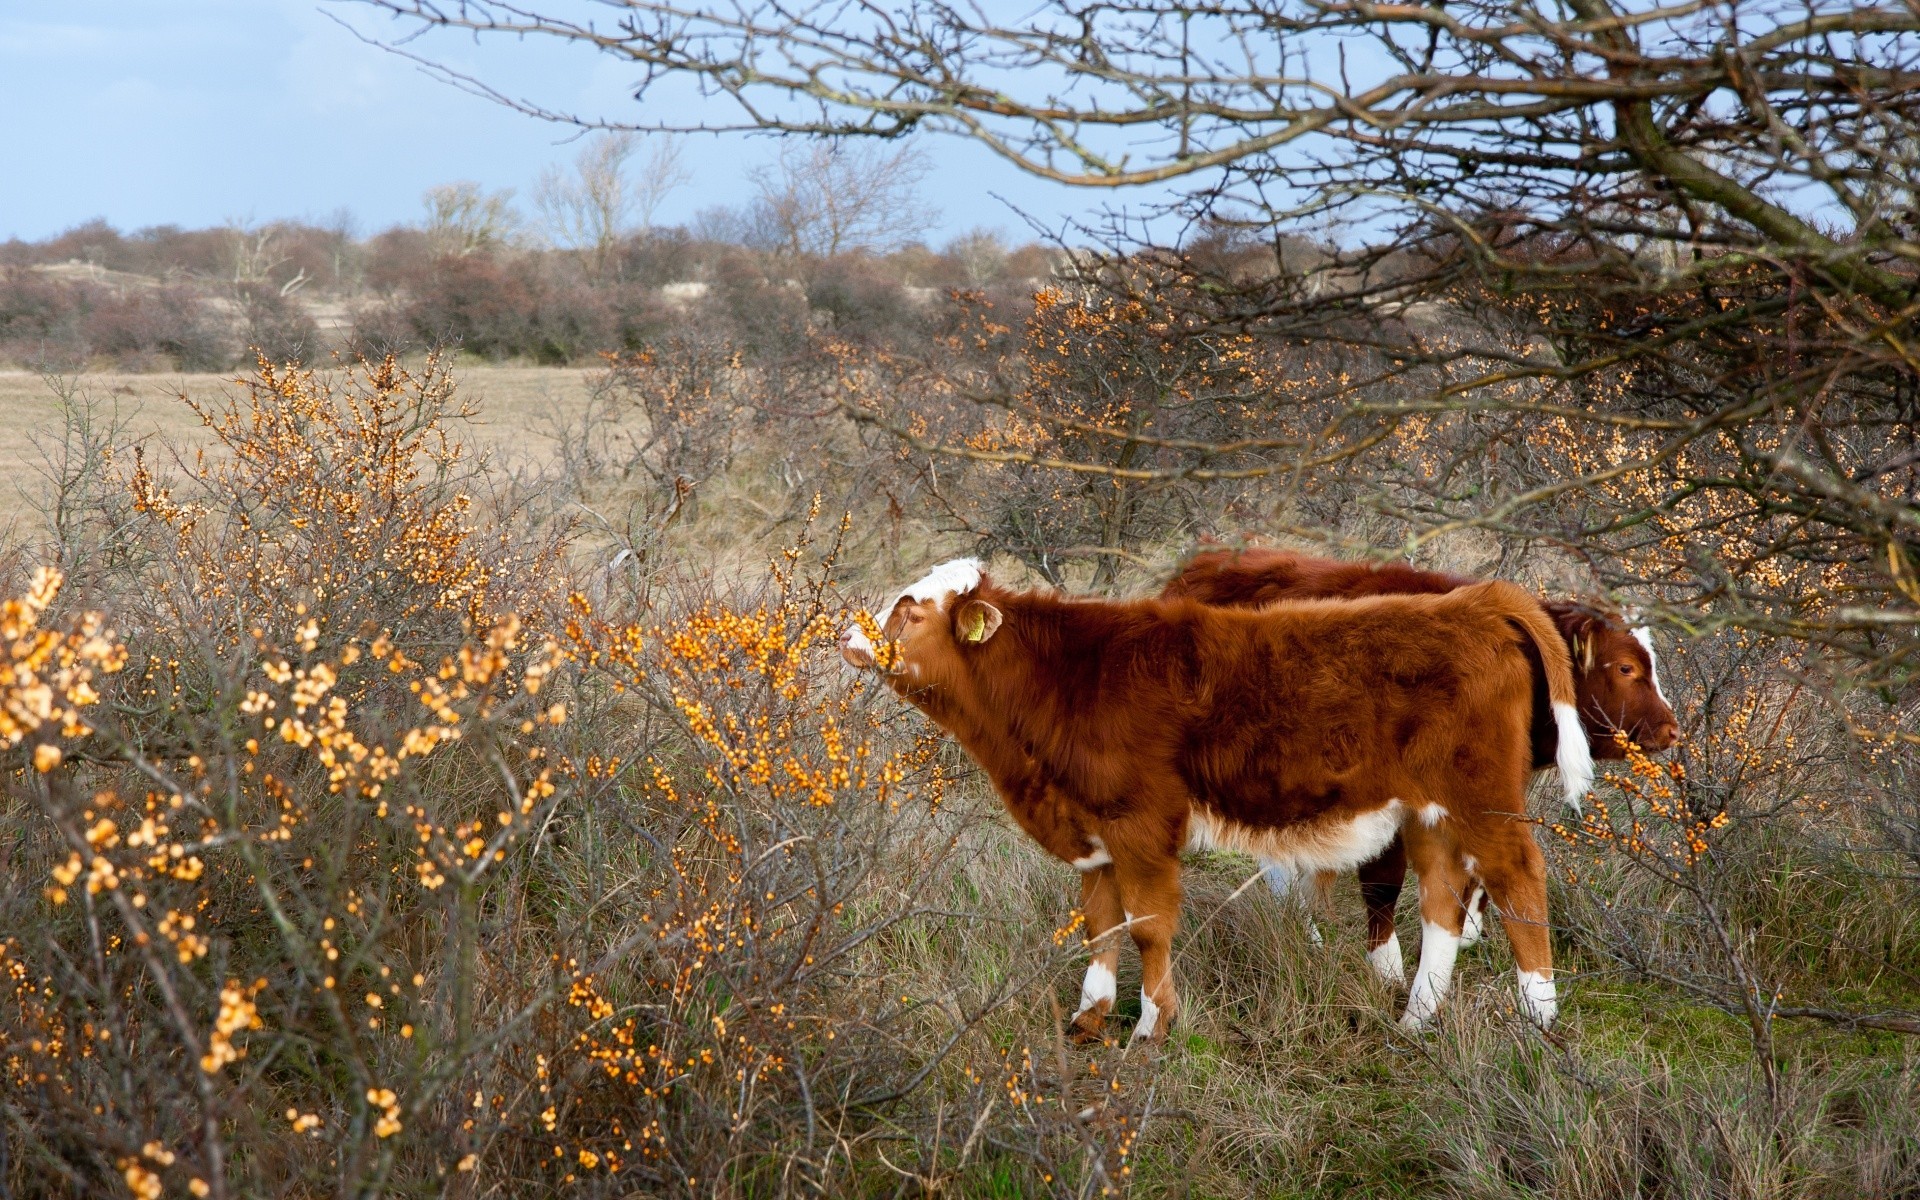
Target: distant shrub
x: 41, y: 320
x: 862, y: 299
x: 275, y: 326
x: 379, y: 328
x: 140, y: 328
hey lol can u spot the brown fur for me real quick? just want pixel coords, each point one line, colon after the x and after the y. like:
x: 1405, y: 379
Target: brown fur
x: 1127, y: 720
x: 1612, y: 674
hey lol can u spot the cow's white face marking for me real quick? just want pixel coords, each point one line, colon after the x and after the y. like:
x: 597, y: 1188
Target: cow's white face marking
x: 1149, y: 1016
x: 1094, y: 861
x: 1573, y: 757
x: 1644, y: 636
x: 1432, y: 814
x: 856, y: 639
x: 1099, y: 986
x: 1438, y: 948
x: 1388, y: 967
x: 936, y: 587
x: 1538, y: 998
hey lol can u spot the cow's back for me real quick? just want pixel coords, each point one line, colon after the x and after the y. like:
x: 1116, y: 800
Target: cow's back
x: 1358, y: 697
x: 1258, y: 576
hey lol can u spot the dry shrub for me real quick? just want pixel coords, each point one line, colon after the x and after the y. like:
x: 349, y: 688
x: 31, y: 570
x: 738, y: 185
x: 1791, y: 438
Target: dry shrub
x: 59, y: 324
x: 360, y: 860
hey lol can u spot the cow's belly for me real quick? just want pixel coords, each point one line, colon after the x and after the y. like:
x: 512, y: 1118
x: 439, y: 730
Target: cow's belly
x: 1334, y: 841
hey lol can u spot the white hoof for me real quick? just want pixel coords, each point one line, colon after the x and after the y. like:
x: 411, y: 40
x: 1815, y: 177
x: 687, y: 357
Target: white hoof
x: 1388, y: 967
x: 1538, y: 998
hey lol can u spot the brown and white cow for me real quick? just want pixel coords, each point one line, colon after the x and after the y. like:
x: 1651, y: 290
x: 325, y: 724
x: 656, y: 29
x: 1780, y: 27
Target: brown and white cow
x: 1308, y: 733
x: 1615, y: 675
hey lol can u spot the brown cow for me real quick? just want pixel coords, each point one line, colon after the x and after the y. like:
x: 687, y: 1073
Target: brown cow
x: 1307, y: 733
x: 1614, y: 671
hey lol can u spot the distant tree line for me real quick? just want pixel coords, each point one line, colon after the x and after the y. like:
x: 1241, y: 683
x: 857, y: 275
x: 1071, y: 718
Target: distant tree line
x: 828, y: 238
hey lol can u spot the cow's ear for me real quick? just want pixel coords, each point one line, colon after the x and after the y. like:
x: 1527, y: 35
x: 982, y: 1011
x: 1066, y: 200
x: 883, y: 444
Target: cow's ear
x: 975, y: 620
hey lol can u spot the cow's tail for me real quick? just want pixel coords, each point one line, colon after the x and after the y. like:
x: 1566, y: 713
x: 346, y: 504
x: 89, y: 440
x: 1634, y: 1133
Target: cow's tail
x: 1573, y: 758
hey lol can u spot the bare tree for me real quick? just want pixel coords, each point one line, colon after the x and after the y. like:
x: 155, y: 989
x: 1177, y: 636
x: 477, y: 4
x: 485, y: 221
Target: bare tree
x: 603, y: 201
x: 826, y: 197
x: 981, y: 253
x: 1694, y: 228
x: 461, y: 218
x: 255, y: 250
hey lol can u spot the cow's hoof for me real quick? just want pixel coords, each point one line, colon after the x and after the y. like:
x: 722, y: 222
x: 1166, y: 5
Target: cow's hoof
x: 1087, y: 1031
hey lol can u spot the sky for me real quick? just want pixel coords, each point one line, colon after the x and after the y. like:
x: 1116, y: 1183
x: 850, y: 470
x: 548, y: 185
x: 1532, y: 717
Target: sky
x: 206, y: 112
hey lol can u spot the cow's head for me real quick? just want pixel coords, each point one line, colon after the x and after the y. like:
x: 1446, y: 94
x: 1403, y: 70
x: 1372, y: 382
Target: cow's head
x: 926, y: 627
x: 1617, y: 676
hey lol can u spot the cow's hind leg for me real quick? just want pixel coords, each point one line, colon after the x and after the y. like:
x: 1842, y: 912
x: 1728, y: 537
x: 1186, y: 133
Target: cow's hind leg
x: 1100, y: 903
x: 1150, y: 895
x: 1380, y: 882
x: 1288, y: 887
x: 1444, y: 884
x: 1476, y: 924
x: 1515, y: 873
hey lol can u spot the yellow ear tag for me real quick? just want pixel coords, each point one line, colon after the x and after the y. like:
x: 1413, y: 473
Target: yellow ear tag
x: 974, y: 625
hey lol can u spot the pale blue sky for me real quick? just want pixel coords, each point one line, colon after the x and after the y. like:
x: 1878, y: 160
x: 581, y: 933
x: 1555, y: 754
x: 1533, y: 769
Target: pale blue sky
x: 197, y: 112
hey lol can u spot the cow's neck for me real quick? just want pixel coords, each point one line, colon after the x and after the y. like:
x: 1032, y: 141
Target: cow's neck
x: 991, y: 743
x: 1030, y: 676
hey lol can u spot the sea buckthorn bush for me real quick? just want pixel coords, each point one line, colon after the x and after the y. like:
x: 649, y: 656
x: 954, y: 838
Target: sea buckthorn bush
x: 353, y: 851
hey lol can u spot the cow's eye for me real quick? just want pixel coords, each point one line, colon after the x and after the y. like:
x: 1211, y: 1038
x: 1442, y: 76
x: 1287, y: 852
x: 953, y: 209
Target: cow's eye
x: 914, y: 618
x: 1626, y: 669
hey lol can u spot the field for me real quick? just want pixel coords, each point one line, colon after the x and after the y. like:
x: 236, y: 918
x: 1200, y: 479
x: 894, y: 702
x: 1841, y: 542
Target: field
x: 516, y: 408
x: 636, y: 891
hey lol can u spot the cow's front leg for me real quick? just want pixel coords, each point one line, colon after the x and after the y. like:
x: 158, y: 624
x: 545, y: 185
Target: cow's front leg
x: 1100, y: 903
x: 1150, y: 895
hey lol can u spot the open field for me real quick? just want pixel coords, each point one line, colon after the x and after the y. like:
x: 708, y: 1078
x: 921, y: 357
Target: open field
x: 515, y: 412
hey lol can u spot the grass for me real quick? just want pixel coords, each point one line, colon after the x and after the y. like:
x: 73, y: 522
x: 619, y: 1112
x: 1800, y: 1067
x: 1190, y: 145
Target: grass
x: 1286, y: 1076
x: 517, y: 410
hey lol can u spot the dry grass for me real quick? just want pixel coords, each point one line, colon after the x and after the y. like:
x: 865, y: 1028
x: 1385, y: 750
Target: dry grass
x: 1284, y: 1078
x: 516, y: 408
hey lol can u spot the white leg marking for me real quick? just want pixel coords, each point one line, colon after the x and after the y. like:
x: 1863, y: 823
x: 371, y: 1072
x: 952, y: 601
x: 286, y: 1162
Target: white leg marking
x: 1149, y: 1016
x: 1280, y: 879
x: 1475, y: 927
x: 1645, y: 637
x: 1284, y: 883
x: 1386, y: 962
x: 1099, y: 985
x: 1093, y: 862
x: 1537, y: 998
x: 1573, y: 758
x: 1438, y: 948
x: 1432, y: 814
